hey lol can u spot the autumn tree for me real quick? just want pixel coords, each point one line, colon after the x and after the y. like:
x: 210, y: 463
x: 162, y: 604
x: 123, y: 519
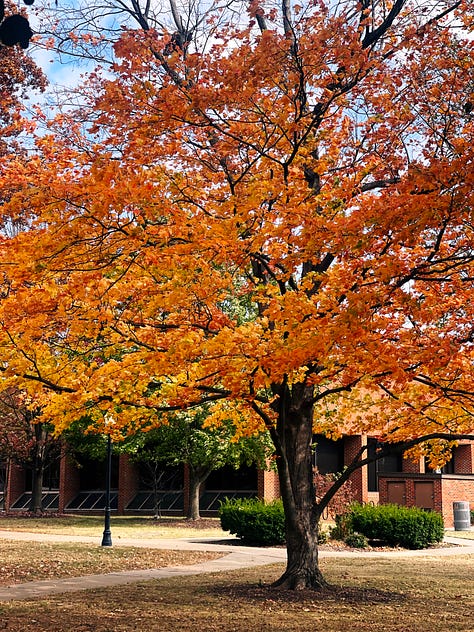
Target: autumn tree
x: 20, y: 440
x: 312, y: 164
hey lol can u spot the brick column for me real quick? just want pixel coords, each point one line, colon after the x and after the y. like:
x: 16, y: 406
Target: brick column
x: 359, y: 478
x: 185, y: 489
x: 69, y: 483
x: 127, y: 482
x: 268, y: 485
x: 16, y: 479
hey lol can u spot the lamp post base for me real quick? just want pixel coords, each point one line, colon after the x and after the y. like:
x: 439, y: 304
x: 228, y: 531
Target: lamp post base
x: 107, y: 538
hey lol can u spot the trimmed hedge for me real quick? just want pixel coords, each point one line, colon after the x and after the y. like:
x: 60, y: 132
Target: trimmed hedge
x: 254, y: 521
x: 409, y: 527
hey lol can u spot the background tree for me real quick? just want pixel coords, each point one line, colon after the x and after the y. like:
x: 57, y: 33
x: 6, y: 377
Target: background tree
x: 322, y: 154
x: 188, y: 440
x: 27, y: 441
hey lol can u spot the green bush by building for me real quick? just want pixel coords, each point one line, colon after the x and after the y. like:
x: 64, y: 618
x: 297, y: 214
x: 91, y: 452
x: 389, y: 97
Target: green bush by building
x: 409, y: 527
x: 254, y: 521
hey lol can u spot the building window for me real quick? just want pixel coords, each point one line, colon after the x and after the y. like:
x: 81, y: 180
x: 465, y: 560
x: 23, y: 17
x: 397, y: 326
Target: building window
x: 92, y: 473
x: 156, y: 475
x: 388, y: 465
x: 328, y: 455
x: 245, y: 478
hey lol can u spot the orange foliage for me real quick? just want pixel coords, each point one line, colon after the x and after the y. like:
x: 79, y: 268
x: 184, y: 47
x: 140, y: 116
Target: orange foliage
x: 262, y: 218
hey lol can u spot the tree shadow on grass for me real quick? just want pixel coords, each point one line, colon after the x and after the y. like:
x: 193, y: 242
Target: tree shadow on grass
x: 331, y: 594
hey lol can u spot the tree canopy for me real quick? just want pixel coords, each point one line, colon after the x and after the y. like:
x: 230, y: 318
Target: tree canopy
x: 280, y: 217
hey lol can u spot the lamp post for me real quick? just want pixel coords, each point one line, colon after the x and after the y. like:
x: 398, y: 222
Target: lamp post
x: 107, y: 537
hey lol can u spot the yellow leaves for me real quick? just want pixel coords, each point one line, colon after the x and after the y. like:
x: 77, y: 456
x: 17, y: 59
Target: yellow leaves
x: 243, y: 419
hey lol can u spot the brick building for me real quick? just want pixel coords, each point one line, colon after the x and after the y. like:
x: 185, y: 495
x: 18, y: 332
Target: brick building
x: 393, y: 479
x: 417, y: 486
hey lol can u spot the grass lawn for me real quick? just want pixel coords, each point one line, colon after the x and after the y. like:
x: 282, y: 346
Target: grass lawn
x: 121, y: 526
x: 399, y: 595
x: 368, y: 595
x: 28, y: 561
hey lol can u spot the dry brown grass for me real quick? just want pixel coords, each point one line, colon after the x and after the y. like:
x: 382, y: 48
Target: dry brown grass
x: 368, y: 595
x: 29, y: 561
x: 399, y: 595
x: 469, y: 535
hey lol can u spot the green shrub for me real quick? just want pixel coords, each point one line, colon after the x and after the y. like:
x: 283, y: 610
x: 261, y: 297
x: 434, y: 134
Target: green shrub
x: 357, y: 540
x: 343, y: 527
x: 409, y: 527
x: 254, y: 521
x: 472, y: 516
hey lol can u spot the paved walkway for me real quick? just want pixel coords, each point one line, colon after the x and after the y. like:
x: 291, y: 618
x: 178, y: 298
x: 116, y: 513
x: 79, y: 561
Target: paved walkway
x: 234, y: 556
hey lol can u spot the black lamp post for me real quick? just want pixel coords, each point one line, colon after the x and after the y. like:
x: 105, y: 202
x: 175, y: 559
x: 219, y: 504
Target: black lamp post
x: 107, y: 537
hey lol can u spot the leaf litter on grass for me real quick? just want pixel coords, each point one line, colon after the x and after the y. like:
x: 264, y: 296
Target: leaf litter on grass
x: 26, y: 561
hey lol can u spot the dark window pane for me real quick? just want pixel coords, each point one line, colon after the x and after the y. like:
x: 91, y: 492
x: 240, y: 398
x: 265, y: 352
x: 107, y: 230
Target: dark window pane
x: 328, y: 455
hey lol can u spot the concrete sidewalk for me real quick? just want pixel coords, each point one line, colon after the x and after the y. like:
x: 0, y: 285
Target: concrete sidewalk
x: 233, y: 557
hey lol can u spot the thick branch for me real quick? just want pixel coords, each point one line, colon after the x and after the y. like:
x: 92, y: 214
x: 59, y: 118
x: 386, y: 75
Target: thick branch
x: 373, y: 36
x: 45, y: 382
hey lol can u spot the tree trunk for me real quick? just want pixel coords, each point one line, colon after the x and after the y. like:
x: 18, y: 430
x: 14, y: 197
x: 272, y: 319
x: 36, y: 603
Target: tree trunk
x: 293, y: 439
x: 197, y: 476
x: 39, y: 462
x: 36, y: 505
x: 4, y: 485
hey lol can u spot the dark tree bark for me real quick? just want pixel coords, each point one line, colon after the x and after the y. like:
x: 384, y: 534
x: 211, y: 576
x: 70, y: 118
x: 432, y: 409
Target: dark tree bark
x: 293, y: 439
x: 40, y: 453
x: 36, y: 504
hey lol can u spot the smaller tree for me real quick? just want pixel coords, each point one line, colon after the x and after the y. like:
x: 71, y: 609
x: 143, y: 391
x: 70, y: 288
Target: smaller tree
x: 191, y: 439
x: 82, y: 438
x: 26, y: 440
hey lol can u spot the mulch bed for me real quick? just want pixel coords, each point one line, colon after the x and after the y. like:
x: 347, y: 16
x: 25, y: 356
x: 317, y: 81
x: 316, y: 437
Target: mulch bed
x: 267, y: 595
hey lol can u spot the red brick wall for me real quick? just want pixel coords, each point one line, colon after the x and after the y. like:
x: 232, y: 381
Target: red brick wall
x: 268, y: 485
x: 410, y: 482
x: 415, y: 467
x: 16, y: 476
x: 464, y: 459
x: 68, y: 481
x: 454, y: 489
x: 358, y: 479
x: 128, y: 482
x: 447, y: 489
